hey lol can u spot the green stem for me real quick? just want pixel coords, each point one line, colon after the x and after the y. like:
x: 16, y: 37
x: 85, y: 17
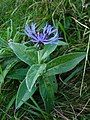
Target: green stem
x: 39, y: 57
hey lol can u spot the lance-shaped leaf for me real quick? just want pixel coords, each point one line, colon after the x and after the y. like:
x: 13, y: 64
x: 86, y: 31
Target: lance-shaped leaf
x: 64, y: 63
x: 47, y: 90
x: 18, y: 74
x: 24, y: 53
x: 3, y: 74
x: 3, y: 43
x: 61, y: 43
x: 33, y: 73
x: 48, y: 49
x: 23, y: 94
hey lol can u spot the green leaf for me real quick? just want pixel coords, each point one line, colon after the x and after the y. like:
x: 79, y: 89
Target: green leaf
x: 64, y: 63
x: 3, y: 43
x: 1, y: 81
x: 6, y: 70
x: 62, y: 43
x: 24, y: 53
x: 9, y: 66
x: 23, y: 94
x: 47, y: 89
x: 48, y: 49
x: 18, y: 74
x: 53, y: 82
x: 33, y: 73
x: 5, y: 52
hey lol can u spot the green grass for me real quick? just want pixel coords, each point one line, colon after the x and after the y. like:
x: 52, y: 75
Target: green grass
x: 71, y: 17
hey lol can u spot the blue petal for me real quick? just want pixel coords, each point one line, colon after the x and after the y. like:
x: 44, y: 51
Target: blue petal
x: 30, y: 33
x: 33, y: 28
x: 45, y: 29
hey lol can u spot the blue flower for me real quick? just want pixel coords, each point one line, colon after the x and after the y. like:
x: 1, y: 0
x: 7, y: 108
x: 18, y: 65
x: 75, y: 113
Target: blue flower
x: 49, y: 34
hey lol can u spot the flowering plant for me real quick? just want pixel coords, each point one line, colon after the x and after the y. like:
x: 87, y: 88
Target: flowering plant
x: 41, y: 70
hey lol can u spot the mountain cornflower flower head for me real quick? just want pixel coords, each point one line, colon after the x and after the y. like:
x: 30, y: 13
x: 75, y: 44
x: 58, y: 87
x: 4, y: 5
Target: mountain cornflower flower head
x: 49, y: 34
